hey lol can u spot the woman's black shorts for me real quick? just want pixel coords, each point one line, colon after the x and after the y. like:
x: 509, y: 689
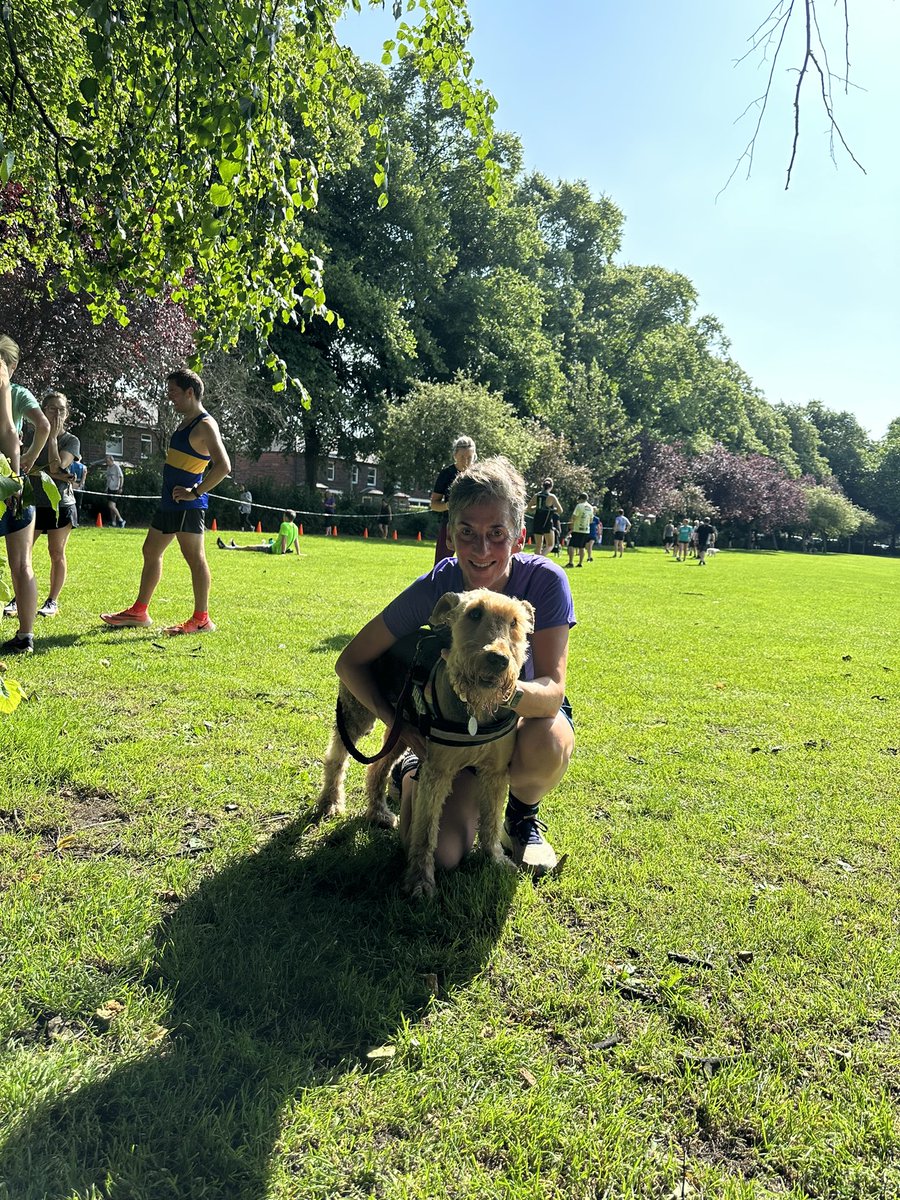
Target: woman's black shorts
x: 46, y: 519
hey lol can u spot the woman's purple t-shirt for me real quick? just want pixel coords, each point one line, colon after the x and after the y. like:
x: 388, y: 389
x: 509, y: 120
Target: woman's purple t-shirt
x: 532, y: 577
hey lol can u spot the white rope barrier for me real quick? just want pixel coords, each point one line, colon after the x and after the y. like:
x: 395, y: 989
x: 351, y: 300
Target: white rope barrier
x: 279, y: 508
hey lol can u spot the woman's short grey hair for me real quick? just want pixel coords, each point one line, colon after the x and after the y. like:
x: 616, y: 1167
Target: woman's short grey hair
x: 464, y: 443
x: 493, y: 479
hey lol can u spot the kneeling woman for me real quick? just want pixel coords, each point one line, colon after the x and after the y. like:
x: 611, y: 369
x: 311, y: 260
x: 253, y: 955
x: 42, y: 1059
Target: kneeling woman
x: 486, y: 510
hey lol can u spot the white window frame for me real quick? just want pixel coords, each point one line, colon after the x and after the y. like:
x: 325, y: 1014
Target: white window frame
x: 354, y: 474
x: 115, y: 443
x: 373, y: 477
x: 146, y: 445
x: 329, y: 471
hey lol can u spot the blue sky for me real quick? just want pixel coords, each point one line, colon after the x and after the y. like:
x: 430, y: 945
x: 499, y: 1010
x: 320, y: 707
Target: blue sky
x: 644, y: 100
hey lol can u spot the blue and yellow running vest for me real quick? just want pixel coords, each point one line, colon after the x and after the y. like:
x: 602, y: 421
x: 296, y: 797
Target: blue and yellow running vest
x: 184, y: 467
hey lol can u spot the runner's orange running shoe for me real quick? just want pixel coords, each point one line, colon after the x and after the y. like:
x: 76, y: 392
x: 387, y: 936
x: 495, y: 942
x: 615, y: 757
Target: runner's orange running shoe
x: 126, y: 617
x: 191, y: 625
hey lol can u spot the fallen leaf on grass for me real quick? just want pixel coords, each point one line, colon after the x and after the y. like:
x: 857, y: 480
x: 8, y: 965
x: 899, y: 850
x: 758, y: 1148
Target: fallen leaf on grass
x: 104, y: 662
x: 431, y: 983
x: 527, y: 1076
x: 710, y: 1064
x: 845, y: 866
x: 689, y: 960
x: 606, y: 1044
x: 379, y: 1058
x: 106, y: 1014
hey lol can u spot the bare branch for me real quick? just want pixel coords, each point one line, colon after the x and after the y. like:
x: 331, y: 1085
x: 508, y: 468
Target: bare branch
x: 773, y: 31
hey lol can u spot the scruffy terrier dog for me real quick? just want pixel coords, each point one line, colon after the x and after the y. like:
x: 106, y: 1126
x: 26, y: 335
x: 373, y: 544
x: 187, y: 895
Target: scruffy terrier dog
x: 468, y: 723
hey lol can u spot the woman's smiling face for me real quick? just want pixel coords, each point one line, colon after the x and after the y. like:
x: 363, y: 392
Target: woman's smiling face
x: 484, y: 543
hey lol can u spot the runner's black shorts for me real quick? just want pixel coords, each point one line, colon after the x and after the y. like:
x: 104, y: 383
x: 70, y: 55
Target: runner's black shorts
x: 185, y: 520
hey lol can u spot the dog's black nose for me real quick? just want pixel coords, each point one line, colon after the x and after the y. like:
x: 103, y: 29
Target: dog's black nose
x: 497, y: 660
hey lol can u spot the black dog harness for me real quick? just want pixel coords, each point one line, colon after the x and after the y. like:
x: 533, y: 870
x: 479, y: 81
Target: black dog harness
x: 418, y: 704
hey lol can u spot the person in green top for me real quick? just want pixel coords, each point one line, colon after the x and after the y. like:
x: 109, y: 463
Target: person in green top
x: 286, y: 541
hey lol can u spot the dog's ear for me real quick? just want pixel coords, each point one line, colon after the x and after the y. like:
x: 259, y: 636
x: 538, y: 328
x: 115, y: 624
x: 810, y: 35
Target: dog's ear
x: 529, y: 608
x: 444, y: 609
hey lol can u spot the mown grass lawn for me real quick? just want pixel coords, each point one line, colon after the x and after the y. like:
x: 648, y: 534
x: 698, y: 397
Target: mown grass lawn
x: 704, y: 1003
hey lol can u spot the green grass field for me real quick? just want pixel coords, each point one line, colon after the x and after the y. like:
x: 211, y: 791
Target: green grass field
x: 704, y: 1003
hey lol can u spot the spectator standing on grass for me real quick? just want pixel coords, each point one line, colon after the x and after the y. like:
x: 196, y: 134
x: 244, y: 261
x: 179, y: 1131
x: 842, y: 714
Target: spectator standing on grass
x: 685, y: 529
x: 16, y: 521
x: 385, y: 517
x: 705, y: 533
x: 669, y: 538
x: 285, y: 541
x: 245, y: 508
x: 556, y: 534
x: 78, y: 471
x: 464, y: 454
x: 56, y: 460
x: 580, y: 525
x: 621, y: 525
x: 544, y: 504
x: 115, y: 484
x: 329, y: 504
x: 195, y: 462
x: 596, y: 537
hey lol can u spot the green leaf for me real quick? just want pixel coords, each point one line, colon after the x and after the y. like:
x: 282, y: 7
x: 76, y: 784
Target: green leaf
x: 228, y: 170
x: 11, y: 695
x: 51, y: 491
x: 6, y: 166
x: 220, y: 195
x: 89, y: 88
x: 382, y: 200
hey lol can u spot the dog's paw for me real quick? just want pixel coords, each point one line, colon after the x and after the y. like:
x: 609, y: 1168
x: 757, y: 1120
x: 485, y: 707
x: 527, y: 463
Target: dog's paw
x: 329, y: 808
x: 383, y: 818
x: 418, y: 886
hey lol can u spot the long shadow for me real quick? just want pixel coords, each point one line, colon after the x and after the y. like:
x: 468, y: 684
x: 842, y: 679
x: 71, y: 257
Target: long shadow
x: 282, y: 970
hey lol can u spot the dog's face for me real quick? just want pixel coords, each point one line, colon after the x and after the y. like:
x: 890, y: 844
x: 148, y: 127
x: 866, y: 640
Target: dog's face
x: 490, y: 644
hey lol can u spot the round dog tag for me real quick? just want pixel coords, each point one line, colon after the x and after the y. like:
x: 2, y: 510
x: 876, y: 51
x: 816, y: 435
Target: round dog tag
x: 473, y: 726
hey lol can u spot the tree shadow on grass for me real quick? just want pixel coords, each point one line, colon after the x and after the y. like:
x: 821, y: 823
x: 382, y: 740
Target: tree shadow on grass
x: 282, y: 970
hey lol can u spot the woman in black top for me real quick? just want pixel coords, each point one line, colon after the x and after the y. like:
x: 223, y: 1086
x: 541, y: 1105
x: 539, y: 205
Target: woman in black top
x: 464, y: 455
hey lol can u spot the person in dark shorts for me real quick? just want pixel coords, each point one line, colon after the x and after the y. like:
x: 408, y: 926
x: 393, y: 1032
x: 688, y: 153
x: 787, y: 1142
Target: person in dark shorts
x: 464, y: 454
x: 56, y: 460
x: 668, y: 537
x: 16, y: 519
x: 580, y: 525
x: 704, y: 532
x: 195, y: 462
x: 385, y: 517
x: 544, y: 504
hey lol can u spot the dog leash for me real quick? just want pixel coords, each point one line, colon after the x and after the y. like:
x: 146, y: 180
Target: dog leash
x: 393, y: 734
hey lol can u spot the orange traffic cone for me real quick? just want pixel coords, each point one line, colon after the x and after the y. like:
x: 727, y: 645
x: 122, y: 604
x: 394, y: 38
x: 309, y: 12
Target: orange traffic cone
x: 259, y: 526
x: 529, y: 540
x: 395, y: 535
x: 99, y: 521
x: 334, y: 531
x: 419, y: 536
x: 365, y: 531
x: 214, y: 527
x: 300, y: 530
